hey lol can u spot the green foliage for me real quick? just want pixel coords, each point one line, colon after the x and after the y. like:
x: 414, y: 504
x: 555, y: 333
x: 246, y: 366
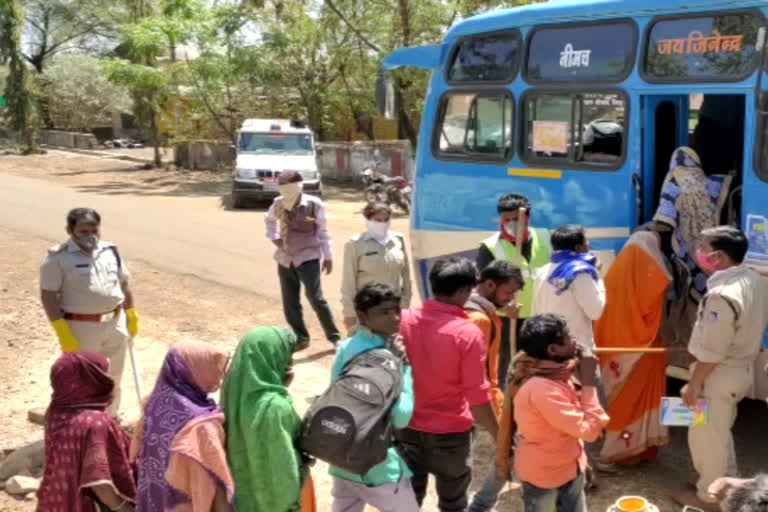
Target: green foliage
x: 80, y: 96
x: 315, y: 60
x: 19, y: 94
x: 54, y: 27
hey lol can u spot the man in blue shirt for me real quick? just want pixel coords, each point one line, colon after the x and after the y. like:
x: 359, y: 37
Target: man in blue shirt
x: 387, y: 485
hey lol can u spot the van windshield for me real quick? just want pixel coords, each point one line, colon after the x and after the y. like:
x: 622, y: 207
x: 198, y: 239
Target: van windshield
x: 275, y: 143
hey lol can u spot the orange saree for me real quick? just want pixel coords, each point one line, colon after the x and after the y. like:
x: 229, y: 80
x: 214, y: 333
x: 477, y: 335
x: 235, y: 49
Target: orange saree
x: 634, y: 383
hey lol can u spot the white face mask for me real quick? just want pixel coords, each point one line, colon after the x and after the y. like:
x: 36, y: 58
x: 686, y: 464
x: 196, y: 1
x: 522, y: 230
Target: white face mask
x: 290, y: 193
x: 511, y: 228
x: 378, y: 230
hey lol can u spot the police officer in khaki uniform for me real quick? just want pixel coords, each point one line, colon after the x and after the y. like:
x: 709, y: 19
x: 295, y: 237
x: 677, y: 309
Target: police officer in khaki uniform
x: 374, y: 256
x: 725, y: 342
x: 85, y: 294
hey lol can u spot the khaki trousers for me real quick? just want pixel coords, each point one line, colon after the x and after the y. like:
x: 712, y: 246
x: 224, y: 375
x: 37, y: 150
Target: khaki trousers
x: 711, y: 445
x: 109, y: 339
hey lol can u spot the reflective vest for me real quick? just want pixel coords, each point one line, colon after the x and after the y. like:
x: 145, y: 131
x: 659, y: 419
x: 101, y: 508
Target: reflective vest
x: 501, y: 248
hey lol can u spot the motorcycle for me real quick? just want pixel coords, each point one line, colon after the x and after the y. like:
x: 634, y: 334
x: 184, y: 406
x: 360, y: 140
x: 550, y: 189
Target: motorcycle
x: 386, y: 189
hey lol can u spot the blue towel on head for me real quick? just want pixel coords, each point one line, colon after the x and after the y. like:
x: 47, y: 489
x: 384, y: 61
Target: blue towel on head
x: 570, y: 265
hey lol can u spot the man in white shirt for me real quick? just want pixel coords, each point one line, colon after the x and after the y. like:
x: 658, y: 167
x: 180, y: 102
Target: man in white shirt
x: 570, y: 285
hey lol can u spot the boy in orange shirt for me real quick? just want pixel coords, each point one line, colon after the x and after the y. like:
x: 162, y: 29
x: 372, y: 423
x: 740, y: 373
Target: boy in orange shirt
x: 550, y: 417
x: 499, y: 283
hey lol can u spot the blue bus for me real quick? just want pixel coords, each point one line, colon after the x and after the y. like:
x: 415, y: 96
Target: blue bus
x: 578, y: 105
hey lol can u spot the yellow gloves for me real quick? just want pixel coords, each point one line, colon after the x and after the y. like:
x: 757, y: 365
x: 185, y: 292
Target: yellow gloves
x: 132, y: 322
x: 67, y: 340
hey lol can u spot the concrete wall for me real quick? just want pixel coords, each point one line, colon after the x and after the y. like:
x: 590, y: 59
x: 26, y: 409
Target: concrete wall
x: 204, y: 155
x: 337, y: 161
x: 69, y: 139
x: 343, y: 161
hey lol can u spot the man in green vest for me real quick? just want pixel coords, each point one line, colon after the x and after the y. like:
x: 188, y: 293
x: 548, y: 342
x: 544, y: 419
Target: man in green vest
x: 533, y: 254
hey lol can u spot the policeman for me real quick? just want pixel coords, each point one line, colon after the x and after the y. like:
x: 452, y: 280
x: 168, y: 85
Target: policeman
x: 725, y: 342
x: 85, y: 294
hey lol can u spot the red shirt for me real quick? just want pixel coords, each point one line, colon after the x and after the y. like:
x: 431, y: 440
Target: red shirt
x: 447, y: 354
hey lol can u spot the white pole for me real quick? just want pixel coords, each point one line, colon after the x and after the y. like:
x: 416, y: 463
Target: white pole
x: 136, y: 371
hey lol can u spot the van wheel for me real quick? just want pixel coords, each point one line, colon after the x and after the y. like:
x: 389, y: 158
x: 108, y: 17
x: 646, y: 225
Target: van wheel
x: 237, y: 201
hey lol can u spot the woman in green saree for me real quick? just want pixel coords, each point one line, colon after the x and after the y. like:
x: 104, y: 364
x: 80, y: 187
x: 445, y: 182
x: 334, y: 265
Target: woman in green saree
x: 262, y: 426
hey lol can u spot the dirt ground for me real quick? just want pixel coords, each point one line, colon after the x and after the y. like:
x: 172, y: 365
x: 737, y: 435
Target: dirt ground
x: 176, y: 307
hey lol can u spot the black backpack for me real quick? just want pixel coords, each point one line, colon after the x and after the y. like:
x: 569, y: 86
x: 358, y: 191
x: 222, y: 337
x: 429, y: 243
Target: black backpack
x: 349, y: 425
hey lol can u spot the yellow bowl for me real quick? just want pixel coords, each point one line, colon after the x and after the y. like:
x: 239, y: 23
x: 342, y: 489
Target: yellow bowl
x: 632, y: 504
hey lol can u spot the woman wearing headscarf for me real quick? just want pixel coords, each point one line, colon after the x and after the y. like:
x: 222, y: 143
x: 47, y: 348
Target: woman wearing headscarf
x: 377, y: 255
x: 179, y: 442
x: 86, y: 451
x: 691, y: 201
x: 263, y: 428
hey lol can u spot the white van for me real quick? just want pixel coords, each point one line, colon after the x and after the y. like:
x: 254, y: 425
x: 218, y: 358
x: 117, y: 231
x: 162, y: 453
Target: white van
x: 265, y: 149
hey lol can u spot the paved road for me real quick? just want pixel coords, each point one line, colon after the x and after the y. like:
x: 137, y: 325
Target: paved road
x: 178, y: 234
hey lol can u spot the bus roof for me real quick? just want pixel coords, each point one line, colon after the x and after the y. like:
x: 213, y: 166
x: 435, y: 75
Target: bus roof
x: 561, y: 11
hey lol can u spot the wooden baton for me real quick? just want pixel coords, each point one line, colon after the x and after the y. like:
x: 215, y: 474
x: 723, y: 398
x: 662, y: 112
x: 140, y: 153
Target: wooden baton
x: 638, y: 350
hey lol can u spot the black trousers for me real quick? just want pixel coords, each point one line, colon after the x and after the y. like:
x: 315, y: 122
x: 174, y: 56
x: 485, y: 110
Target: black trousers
x: 291, y: 279
x: 447, y: 457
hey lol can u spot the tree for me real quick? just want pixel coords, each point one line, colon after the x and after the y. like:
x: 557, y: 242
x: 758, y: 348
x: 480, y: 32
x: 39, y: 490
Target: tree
x: 56, y: 26
x: 149, y: 88
x: 385, y: 25
x: 297, y: 44
x: 80, y: 95
x: 18, y: 90
x: 216, y: 83
x: 143, y: 42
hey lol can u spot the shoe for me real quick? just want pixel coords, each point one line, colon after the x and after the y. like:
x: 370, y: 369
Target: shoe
x: 606, y: 467
x: 301, y: 345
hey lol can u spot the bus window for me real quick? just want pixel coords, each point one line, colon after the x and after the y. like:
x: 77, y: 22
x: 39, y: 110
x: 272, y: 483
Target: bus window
x: 592, y: 52
x: 716, y: 48
x: 486, y: 58
x: 761, y: 153
x: 475, y: 126
x: 575, y: 129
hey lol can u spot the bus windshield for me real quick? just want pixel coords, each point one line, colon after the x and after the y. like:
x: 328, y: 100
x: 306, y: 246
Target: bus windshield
x: 275, y: 144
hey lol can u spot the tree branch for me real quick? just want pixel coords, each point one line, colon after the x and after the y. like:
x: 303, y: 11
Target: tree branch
x: 354, y: 29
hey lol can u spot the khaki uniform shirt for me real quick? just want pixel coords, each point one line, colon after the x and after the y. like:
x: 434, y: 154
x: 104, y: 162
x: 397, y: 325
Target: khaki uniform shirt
x: 731, y: 318
x: 367, y: 261
x: 86, y: 284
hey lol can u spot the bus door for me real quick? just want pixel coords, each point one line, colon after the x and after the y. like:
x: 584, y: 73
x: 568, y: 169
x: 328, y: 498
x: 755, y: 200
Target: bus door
x: 713, y: 125
x: 664, y: 128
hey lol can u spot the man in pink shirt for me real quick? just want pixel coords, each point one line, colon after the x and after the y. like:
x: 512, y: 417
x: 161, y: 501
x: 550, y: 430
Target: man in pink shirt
x: 552, y: 417
x: 447, y: 355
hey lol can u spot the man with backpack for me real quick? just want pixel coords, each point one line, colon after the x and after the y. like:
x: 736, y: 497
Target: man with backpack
x: 499, y: 283
x: 447, y: 352
x: 386, y: 485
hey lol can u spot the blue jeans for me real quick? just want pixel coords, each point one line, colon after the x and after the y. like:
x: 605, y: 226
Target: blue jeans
x: 488, y: 495
x: 566, y: 498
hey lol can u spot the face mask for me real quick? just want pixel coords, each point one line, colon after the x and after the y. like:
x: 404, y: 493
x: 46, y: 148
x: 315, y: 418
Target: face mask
x: 511, y: 228
x: 87, y: 242
x: 378, y: 230
x: 290, y: 193
x: 702, y: 259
